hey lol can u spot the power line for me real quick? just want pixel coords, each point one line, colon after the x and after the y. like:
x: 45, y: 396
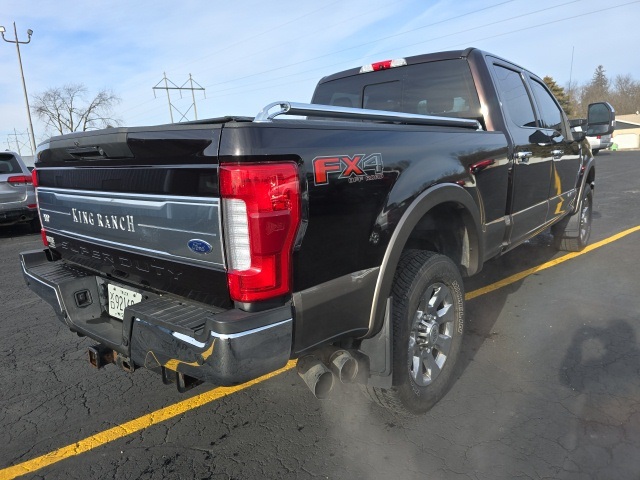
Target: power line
x: 333, y: 25
x: 438, y: 38
x: 246, y: 87
x: 244, y: 40
x: 332, y: 53
x: 377, y: 40
x: 609, y: 8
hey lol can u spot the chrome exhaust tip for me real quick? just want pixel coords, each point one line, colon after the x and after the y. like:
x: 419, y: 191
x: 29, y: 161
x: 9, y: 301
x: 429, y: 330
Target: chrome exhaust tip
x: 316, y: 375
x: 343, y: 365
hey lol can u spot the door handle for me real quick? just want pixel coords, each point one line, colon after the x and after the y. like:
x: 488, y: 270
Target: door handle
x: 523, y: 157
x: 557, y: 154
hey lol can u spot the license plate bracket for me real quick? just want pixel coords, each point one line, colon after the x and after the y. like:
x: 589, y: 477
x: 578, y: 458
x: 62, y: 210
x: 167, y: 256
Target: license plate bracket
x: 118, y: 298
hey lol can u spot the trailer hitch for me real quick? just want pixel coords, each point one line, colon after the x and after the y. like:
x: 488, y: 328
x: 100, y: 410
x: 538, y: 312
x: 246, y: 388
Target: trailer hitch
x: 99, y: 355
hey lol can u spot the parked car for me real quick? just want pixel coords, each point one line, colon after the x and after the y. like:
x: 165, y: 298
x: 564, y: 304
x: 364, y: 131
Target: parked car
x: 17, y: 195
x: 599, y: 142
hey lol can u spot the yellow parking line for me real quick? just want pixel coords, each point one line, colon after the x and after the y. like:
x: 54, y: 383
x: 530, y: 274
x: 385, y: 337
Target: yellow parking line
x: 519, y: 276
x: 130, y: 427
x: 192, y: 403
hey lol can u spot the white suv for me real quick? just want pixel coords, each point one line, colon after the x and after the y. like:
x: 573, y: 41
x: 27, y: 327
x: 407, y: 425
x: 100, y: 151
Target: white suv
x: 598, y: 142
x: 17, y: 195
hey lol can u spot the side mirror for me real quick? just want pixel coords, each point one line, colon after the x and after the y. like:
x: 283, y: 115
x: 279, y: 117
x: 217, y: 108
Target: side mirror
x: 601, y: 119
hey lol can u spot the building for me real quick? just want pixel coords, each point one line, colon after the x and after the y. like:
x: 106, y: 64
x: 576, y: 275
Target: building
x: 627, y: 132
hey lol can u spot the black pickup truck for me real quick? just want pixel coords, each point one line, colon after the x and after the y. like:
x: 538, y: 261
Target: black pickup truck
x: 336, y: 233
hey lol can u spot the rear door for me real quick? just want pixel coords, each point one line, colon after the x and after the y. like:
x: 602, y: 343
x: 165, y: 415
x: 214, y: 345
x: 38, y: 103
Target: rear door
x: 532, y: 163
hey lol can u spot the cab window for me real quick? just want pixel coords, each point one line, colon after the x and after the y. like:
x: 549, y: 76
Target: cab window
x: 550, y: 115
x: 514, y: 96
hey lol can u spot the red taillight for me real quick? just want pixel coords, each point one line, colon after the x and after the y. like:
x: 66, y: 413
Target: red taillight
x: 19, y: 180
x: 599, y: 137
x: 43, y: 234
x: 261, y: 213
x: 34, y: 180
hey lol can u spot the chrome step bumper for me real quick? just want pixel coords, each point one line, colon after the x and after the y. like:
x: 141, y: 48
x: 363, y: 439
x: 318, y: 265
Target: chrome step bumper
x: 223, y: 347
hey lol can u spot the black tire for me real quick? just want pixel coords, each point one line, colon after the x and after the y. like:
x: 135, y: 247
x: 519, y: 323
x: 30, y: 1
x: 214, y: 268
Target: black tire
x: 595, y: 152
x: 571, y: 234
x: 428, y: 325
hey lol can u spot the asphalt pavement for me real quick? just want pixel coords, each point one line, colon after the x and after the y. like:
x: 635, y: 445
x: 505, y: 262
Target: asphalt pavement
x: 548, y: 387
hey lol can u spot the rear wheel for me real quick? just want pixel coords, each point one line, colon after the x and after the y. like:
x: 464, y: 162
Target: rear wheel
x: 428, y: 323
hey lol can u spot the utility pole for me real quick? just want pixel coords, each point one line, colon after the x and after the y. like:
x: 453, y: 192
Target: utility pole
x: 24, y: 85
x: 172, y: 107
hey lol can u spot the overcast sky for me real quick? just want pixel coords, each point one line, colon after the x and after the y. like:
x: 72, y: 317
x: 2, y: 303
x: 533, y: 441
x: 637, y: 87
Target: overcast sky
x: 249, y: 53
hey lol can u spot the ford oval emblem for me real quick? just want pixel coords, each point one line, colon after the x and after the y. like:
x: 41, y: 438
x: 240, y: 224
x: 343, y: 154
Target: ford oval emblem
x: 199, y: 246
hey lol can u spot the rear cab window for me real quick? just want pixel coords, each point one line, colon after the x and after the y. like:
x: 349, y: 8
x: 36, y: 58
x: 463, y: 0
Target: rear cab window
x: 442, y: 88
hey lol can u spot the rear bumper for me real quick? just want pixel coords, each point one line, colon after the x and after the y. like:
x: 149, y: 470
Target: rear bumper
x: 17, y: 215
x: 223, y: 347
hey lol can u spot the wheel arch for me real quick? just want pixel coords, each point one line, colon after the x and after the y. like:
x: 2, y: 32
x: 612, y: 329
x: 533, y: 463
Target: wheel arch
x: 435, y: 200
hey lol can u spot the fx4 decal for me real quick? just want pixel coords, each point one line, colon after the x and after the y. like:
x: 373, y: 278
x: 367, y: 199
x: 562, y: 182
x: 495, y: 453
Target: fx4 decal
x: 357, y: 168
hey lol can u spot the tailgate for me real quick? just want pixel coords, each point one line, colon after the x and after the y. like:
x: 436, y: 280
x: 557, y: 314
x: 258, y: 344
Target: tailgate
x: 140, y: 205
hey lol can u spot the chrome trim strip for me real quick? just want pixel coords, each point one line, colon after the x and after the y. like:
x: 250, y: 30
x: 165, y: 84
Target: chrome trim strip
x: 221, y: 336
x: 187, y: 339
x: 231, y: 336
x: 92, y: 194
x: 55, y: 211
x: 497, y: 220
x: 213, y: 165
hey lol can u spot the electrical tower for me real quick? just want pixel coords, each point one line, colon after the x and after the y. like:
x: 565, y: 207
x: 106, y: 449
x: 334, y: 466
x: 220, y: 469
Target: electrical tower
x: 169, y: 85
x: 17, y: 142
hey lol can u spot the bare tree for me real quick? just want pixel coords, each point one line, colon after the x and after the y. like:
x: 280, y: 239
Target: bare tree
x: 626, y: 95
x: 66, y: 109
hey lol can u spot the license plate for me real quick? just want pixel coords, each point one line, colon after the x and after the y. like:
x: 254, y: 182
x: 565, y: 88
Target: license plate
x: 120, y: 298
